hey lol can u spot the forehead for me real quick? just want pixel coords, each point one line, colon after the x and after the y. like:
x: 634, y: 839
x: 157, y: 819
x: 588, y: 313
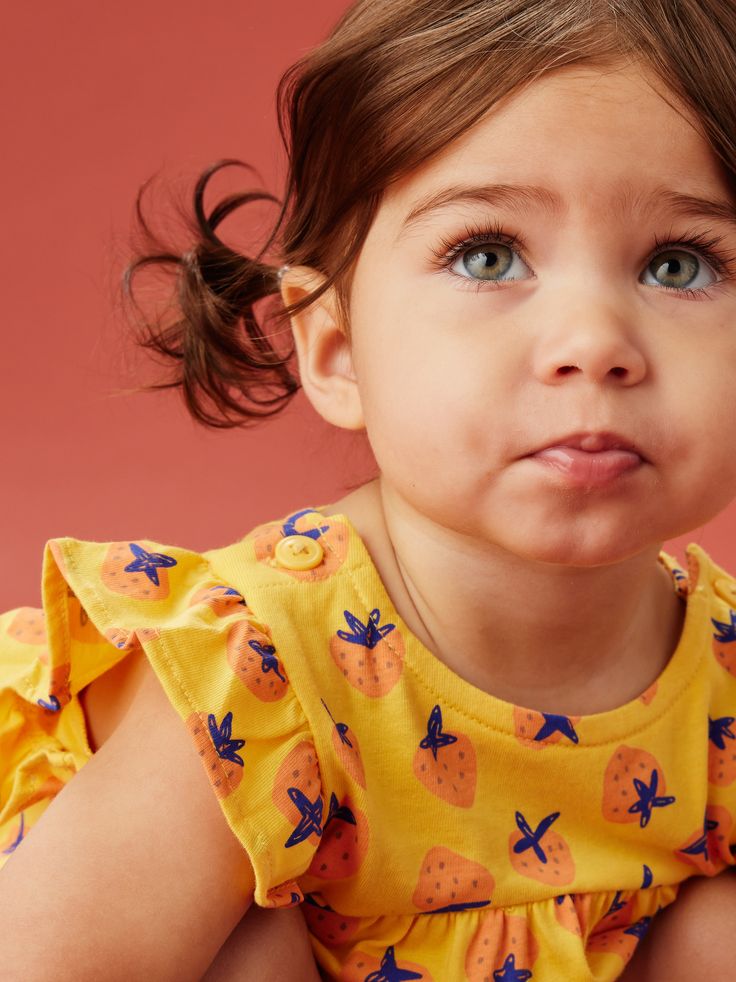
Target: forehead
x: 592, y: 137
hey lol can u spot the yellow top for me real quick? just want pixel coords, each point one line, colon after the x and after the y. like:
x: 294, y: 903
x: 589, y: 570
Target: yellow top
x: 432, y: 830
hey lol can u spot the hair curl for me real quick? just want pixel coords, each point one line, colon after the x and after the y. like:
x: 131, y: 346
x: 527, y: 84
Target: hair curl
x: 394, y: 83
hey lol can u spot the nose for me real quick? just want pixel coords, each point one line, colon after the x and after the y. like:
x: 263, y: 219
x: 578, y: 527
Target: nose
x: 596, y: 347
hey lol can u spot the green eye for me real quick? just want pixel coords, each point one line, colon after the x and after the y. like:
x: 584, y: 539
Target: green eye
x: 680, y: 267
x: 488, y: 262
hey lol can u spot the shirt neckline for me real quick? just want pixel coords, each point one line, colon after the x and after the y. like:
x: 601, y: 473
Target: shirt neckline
x: 446, y: 686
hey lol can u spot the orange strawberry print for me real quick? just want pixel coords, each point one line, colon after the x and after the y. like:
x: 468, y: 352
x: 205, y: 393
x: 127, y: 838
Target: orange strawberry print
x: 124, y: 639
x: 81, y: 627
x: 572, y: 911
x: 284, y: 895
x: 297, y: 793
x: 681, y: 581
x: 541, y: 854
x: 707, y: 849
x: 326, y: 924
x: 724, y: 642
x: 537, y: 730
x: 121, y: 637
x: 621, y: 941
x: 619, y: 915
x: 344, y: 842
x: 649, y: 694
x: 130, y: 569
x: 633, y: 786
x: 28, y: 626
x: 449, y: 882
x: 221, y: 599
x: 502, y: 948
x: 721, y: 751
x: 361, y: 967
x: 331, y: 534
x: 347, y: 749
x: 693, y: 570
x: 370, y: 655
x: 445, y: 763
x: 254, y: 660
x: 59, y: 689
x: 219, y: 752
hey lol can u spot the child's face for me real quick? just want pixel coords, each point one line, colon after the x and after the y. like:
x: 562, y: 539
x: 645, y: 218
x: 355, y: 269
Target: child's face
x: 460, y: 379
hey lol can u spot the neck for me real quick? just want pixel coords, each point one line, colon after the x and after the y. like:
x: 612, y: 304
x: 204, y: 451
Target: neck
x: 568, y: 640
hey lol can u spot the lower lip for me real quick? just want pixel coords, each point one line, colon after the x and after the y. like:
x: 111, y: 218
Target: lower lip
x: 588, y: 470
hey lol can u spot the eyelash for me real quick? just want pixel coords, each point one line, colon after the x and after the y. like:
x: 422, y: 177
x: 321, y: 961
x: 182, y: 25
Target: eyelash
x: 722, y: 263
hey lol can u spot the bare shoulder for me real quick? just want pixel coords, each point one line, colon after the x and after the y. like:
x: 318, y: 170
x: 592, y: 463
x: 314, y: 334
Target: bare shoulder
x: 134, y: 847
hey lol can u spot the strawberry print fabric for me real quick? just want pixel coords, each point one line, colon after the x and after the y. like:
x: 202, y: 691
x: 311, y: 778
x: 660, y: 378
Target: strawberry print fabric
x: 429, y: 830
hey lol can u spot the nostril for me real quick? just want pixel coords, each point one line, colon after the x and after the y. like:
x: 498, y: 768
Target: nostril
x: 618, y: 372
x: 566, y: 369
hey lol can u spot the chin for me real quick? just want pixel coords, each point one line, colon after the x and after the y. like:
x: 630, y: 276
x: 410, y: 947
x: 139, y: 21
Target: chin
x: 584, y: 551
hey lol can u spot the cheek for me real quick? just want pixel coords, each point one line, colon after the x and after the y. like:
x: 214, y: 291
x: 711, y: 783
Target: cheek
x: 421, y: 424
x: 709, y: 398
x: 696, y: 449
x: 430, y: 398
x: 405, y: 418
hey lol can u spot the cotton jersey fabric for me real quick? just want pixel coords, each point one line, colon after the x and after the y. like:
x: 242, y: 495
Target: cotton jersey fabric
x: 429, y: 829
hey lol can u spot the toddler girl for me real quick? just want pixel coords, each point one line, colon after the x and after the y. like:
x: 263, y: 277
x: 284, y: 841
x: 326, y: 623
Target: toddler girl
x: 470, y: 718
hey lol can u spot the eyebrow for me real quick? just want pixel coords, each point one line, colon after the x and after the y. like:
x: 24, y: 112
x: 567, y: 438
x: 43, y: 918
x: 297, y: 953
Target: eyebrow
x: 524, y: 197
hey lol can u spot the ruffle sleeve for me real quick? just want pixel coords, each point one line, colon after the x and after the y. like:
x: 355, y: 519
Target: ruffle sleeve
x: 218, y: 666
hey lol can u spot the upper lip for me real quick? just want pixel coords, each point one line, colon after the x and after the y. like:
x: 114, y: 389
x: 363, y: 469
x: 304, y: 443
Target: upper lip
x: 593, y: 442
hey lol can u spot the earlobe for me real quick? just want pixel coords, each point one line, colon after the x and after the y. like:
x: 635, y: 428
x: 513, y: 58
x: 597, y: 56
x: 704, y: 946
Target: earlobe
x: 323, y: 350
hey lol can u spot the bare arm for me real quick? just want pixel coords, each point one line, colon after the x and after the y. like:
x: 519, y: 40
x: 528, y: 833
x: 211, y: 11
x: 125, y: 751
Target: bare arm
x: 698, y: 929
x: 267, y: 945
x: 132, y: 871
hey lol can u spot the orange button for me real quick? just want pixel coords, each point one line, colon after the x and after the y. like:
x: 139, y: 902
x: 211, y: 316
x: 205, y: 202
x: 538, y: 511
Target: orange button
x: 298, y: 552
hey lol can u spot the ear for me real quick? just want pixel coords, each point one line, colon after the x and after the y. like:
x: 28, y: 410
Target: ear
x: 323, y: 350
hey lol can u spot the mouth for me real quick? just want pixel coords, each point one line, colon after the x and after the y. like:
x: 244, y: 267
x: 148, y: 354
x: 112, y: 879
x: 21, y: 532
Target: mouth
x: 600, y: 442
x: 590, y: 459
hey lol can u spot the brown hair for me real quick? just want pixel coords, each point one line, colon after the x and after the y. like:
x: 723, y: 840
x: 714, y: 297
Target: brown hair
x: 395, y: 82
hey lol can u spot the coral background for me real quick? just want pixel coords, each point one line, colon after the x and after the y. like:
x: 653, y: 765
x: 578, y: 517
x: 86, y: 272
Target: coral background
x: 97, y: 99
